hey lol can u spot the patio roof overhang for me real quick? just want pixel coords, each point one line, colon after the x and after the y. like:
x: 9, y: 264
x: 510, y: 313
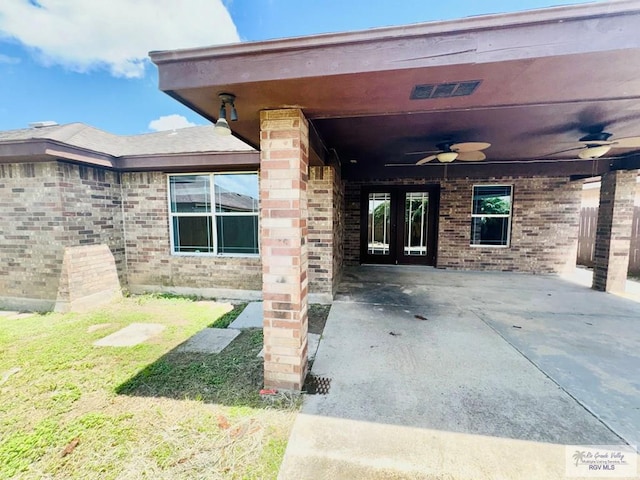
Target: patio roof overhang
x: 547, y: 78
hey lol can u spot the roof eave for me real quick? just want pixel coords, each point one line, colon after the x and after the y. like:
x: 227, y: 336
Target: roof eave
x: 484, y: 22
x: 44, y: 149
x: 195, y: 161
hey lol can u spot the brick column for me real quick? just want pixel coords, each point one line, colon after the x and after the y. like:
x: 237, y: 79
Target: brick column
x: 613, y: 233
x: 283, y: 215
x: 321, y: 248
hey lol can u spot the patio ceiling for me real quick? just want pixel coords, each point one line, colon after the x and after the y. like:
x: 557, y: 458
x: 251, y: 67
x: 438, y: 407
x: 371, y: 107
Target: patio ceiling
x: 548, y: 77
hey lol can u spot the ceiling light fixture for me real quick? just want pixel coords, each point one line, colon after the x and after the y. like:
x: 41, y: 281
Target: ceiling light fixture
x: 222, y: 126
x: 447, y: 157
x: 593, y: 151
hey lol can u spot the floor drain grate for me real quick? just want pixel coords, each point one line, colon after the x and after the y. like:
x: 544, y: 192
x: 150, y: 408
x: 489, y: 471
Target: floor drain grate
x: 317, y: 385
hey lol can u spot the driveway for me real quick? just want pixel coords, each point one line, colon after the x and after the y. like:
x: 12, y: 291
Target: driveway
x: 465, y: 375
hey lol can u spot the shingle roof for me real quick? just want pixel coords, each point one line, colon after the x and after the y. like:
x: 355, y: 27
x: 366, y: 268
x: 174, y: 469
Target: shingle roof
x: 183, y: 140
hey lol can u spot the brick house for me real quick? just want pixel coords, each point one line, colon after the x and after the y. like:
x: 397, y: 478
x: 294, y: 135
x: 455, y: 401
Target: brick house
x: 341, y: 123
x: 67, y: 191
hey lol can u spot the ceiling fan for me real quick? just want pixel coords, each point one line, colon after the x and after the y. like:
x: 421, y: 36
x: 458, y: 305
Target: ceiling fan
x: 449, y: 151
x: 598, y: 143
x: 591, y: 122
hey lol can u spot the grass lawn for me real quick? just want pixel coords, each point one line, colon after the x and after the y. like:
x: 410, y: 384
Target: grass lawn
x: 69, y: 409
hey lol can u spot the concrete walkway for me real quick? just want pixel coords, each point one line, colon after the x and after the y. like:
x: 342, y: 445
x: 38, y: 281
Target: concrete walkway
x: 505, y: 372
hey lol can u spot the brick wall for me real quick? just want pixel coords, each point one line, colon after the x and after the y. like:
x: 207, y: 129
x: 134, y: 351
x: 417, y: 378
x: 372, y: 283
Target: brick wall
x: 149, y: 259
x: 284, y: 167
x: 88, y: 277
x: 45, y: 207
x: 338, y: 228
x: 613, y: 231
x: 351, y: 241
x: 92, y: 206
x: 150, y: 263
x: 587, y: 239
x: 325, y: 230
x: 544, y: 227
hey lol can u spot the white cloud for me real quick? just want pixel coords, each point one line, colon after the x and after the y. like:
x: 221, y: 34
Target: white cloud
x: 117, y: 34
x: 6, y: 59
x: 170, y: 122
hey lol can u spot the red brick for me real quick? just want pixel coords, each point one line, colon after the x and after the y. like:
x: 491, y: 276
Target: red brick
x: 614, y: 230
x: 283, y: 230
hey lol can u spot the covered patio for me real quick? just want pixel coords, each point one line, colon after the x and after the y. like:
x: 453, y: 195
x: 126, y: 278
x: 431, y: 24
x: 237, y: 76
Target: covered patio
x: 467, y: 375
x: 354, y: 127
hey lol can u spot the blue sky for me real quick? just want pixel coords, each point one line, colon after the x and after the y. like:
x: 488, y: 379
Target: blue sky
x: 84, y: 61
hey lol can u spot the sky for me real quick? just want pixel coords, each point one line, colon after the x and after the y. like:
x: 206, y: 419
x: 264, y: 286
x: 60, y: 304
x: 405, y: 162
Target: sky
x: 87, y: 60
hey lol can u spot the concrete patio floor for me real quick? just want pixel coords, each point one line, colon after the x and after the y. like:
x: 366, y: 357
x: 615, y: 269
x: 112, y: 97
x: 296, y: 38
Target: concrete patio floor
x: 505, y: 372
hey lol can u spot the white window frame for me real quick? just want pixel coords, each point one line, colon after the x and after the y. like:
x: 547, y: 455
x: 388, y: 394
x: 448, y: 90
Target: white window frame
x: 478, y: 215
x: 213, y: 214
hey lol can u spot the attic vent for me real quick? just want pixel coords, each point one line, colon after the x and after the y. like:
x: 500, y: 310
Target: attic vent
x: 47, y: 123
x: 444, y: 90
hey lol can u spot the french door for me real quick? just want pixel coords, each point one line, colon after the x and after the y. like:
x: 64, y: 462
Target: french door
x: 398, y: 225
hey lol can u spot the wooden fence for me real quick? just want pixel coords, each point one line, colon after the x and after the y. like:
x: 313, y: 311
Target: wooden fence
x: 587, y: 237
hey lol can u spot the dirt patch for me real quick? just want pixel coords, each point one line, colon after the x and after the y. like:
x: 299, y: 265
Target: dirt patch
x: 318, y: 317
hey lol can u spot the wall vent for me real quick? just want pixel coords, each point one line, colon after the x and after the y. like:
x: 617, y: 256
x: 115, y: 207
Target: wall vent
x: 444, y: 90
x: 47, y: 123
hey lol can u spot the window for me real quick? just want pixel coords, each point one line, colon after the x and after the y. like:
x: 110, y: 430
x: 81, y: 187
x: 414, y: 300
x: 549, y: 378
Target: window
x: 214, y: 213
x: 491, y: 215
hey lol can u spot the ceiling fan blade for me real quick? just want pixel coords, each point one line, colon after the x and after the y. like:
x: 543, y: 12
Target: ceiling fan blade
x: 599, y: 142
x: 422, y: 152
x: 469, y: 146
x: 627, y: 142
x: 425, y: 160
x: 591, y: 152
x: 471, y: 156
x: 562, y: 151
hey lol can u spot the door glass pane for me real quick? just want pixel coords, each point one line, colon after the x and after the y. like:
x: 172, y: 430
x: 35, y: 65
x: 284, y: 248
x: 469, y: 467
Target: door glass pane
x: 415, y: 223
x: 379, y: 224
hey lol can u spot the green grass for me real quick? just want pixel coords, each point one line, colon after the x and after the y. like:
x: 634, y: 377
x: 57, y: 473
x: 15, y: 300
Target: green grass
x: 225, y: 320
x: 231, y: 377
x: 136, y: 412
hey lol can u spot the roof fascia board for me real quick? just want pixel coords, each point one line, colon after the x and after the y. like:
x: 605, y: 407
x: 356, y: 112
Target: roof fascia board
x: 558, y: 14
x: 226, y: 66
x: 40, y: 149
x: 189, y: 161
x: 23, y: 148
x: 66, y: 153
